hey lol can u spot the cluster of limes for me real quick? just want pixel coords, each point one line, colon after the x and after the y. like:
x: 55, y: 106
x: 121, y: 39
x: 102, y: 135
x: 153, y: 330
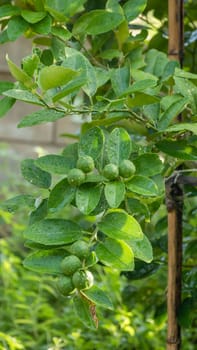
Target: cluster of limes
x: 85, y: 164
x: 76, y: 176
x: 73, y: 275
x: 126, y: 169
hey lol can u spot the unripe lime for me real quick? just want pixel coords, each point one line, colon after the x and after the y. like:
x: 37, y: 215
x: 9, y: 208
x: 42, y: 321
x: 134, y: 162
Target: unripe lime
x: 70, y: 264
x: 75, y: 177
x: 82, y: 279
x: 127, y: 168
x: 80, y: 249
x: 85, y: 163
x: 65, y: 285
x: 111, y: 171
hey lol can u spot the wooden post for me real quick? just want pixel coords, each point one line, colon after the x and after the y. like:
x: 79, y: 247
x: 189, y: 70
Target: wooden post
x: 174, y: 196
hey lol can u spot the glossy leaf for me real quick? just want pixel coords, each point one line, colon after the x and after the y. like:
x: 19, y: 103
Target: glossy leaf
x: 143, y: 186
x: 142, y: 249
x: 40, y: 212
x: 32, y: 16
x: 54, y: 163
x: 61, y: 32
x: 5, y: 85
x: 77, y: 61
x: 35, y: 175
x: 44, y: 26
x: 148, y: 164
x: 91, y: 143
x: 54, y: 76
x: 19, y: 74
x: 61, y: 195
x: 139, y: 86
x: 18, y: 202
x: 45, y: 261
x: 8, y: 10
x: 119, y: 146
x: 135, y: 208
x: 98, y: 297
x: 82, y: 309
x: 141, y: 99
x: 16, y: 27
x: 53, y: 232
x: 142, y: 270
x: 114, y: 193
x: 179, y: 149
x: 181, y: 127
x: 6, y: 104
x: 72, y: 86
x: 70, y: 152
x: 133, y: 8
x: 87, y: 197
x: 171, y: 112
x: 41, y: 116
x: 118, y: 224
x: 97, y: 22
x: 24, y: 95
x: 115, y: 253
x: 120, y: 78
x: 188, y: 89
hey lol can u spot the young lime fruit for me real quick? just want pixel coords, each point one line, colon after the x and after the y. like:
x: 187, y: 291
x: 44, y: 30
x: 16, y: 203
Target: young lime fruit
x: 111, y: 171
x: 82, y: 279
x: 85, y: 163
x: 127, y: 168
x: 75, y: 177
x: 65, y: 285
x: 70, y: 264
x: 80, y: 249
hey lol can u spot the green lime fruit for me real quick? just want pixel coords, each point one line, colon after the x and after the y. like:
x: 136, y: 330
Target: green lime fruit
x: 65, y: 285
x: 75, y: 177
x: 127, y: 168
x: 111, y: 171
x: 80, y: 249
x: 70, y: 264
x: 82, y: 279
x: 85, y: 163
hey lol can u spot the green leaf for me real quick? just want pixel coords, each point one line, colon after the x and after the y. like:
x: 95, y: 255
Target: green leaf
x: 44, y: 26
x: 40, y: 212
x: 178, y: 149
x: 71, y: 87
x: 120, y: 78
x: 156, y: 62
x: 41, y: 116
x: 24, y: 95
x: 97, y: 22
x: 54, y: 76
x: 171, y: 112
x: 53, y: 232
x: 30, y: 64
x: 6, y: 104
x: 143, y: 186
x: 133, y: 8
x: 142, y: 270
x: 148, y: 164
x: 186, y: 312
x: 182, y: 127
x: 71, y: 154
x: 82, y: 309
x: 61, y: 195
x: 77, y: 61
x: 16, y: 203
x: 139, y: 86
x: 189, y: 90
x: 135, y: 208
x: 114, y: 193
x: 119, y: 146
x: 9, y: 11
x: 183, y: 74
x: 98, y: 297
x: 142, y: 249
x: 53, y: 163
x: 115, y: 253
x: 118, y: 224
x: 35, y: 175
x: 5, y: 85
x: 61, y: 32
x: 87, y: 197
x: 45, y: 261
x: 91, y: 143
x: 19, y: 74
x: 141, y: 99
x: 16, y: 27
x: 32, y: 16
